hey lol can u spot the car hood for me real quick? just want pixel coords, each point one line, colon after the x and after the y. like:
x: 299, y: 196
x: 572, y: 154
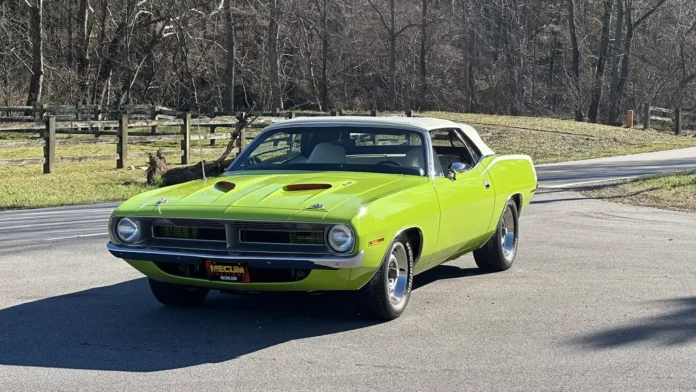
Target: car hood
x: 270, y: 191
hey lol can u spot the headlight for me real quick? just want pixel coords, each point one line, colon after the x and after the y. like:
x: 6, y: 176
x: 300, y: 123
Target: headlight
x: 341, y: 238
x: 127, y: 230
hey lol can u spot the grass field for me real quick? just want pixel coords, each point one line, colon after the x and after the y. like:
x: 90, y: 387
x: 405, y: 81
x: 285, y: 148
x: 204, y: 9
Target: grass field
x: 673, y: 192
x: 546, y: 140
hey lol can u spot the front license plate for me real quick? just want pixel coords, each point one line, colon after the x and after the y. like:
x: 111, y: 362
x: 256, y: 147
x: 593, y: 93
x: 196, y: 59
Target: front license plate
x: 227, y: 272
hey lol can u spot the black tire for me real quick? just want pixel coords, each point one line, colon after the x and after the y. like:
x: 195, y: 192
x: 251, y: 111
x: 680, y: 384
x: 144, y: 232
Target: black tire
x: 385, y: 296
x: 500, y: 251
x: 176, y: 295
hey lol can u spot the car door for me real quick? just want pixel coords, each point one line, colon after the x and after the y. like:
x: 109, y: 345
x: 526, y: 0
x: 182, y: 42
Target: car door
x: 466, y: 197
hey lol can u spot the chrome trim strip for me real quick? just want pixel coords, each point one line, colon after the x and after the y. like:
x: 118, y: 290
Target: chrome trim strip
x: 332, y: 262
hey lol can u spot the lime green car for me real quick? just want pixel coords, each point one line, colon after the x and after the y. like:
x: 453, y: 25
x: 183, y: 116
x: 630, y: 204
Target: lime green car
x: 331, y: 203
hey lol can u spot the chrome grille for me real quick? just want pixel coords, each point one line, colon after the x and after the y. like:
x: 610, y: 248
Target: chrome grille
x: 282, y: 237
x: 189, y: 233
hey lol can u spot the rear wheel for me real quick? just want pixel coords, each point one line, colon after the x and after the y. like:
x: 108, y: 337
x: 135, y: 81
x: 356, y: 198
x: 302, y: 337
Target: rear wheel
x: 499, y: 252
x: 387, y: 293
x: 176, y: 295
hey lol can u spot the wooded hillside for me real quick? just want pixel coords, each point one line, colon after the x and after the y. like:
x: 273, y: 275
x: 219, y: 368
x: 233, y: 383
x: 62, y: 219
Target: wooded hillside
x: 588, y: 59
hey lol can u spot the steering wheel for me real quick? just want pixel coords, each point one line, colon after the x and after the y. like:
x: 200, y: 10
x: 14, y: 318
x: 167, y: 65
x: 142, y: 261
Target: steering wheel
x: 390, y: 163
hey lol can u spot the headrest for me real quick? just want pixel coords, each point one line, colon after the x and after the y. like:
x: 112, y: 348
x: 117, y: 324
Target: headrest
x: 327, y: 153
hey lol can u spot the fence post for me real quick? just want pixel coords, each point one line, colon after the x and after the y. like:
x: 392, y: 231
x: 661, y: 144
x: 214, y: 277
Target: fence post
x: 373, y: 113
x: 186, y: 143
x: 409, y: 113
x: 242, y: 139
x: 677, y: 121
x: 276, y: 112
x: 78, y: 110
x: 291, y: 115
x: 646, y: 116
x: 629, y: 119
x: 213, y: 128
x: 153, y: 117
x: 49, y: 136
x: 39, y: 110
x: 122, y: 146
x: 340, y: 112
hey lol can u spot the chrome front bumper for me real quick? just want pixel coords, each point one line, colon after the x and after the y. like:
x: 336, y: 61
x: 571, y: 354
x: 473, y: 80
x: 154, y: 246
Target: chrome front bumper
x: 253, y: 260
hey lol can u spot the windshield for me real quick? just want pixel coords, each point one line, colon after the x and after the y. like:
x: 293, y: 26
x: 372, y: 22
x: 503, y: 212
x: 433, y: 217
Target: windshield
x: 336, y: 148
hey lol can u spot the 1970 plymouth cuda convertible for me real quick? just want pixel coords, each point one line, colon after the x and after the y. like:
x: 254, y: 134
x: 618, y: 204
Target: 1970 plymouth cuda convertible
x: 334, y: 203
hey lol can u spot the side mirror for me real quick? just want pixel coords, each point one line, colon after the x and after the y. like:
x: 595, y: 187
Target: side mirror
x: 456, y: 168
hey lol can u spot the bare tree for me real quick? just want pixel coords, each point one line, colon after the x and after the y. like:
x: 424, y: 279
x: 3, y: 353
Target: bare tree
x: 601, y: 61
x: 392, y: 35
x: 37, y: 65
x: 631, y: 26
x: 230, y: 59
x: 575, y: 50
x: 273, y: 58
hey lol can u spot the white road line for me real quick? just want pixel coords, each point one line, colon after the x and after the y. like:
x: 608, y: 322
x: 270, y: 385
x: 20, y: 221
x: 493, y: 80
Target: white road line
x: 16, y: 214
x: 76, y: 236
x: 586, y: 182
x: 90, y: 222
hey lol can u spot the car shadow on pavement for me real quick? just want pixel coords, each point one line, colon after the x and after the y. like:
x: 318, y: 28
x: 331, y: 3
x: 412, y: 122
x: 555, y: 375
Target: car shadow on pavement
x: 620, y: 196
x: 676, y: 327
x: 122, y: 328
x: 443, y: 272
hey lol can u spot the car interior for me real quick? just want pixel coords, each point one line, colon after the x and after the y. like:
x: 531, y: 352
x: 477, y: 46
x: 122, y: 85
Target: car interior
x: 404, y: 150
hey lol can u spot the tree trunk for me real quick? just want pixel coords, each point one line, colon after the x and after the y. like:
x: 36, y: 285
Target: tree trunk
x: 324, y: 84
x: 273, y: 60
x: 82, y: 47
x: 36, y: 26
x: 579, y: 116
x: 229, y: 76
x: 601, y: 62
x: 392, y: 56
x: 471, y: 71
x: 625, y: 70
x: 616, y: 53
x: 422, y: 71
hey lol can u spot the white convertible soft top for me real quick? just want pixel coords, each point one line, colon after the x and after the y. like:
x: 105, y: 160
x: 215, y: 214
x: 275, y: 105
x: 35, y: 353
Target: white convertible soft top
x: 421, y: 123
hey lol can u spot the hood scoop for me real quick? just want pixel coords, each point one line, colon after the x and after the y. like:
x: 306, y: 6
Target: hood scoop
x: 306, y: 187
x: 225, y: 186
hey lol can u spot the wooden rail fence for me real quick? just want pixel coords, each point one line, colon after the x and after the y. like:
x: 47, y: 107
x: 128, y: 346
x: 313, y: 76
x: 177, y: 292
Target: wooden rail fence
x: 122, y: 137
x: 678, y: 119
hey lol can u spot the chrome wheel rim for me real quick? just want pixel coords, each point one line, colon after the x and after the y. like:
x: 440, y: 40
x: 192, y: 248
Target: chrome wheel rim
x: 397, y: 274
x: 507, y: 234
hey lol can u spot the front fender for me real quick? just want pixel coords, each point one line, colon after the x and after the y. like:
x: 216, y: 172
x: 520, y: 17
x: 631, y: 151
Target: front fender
x: 378, y: 223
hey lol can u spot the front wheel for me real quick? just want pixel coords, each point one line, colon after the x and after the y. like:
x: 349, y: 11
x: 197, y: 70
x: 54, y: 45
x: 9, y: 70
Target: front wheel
x: 176, y: 295
x: 387, y: 293
x: 499, y: 252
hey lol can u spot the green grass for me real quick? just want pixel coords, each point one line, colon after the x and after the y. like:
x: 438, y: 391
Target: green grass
x: 549, y: 140
x: 79, y: 183
x: 546, y: 140
x: 673, y: 192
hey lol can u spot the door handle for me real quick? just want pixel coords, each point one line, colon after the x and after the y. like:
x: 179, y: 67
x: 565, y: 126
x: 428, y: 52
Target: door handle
x: 487, y: 184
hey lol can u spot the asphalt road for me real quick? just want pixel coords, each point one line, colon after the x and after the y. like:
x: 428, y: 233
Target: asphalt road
x: 602, y: 297
x: 593, y: 171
